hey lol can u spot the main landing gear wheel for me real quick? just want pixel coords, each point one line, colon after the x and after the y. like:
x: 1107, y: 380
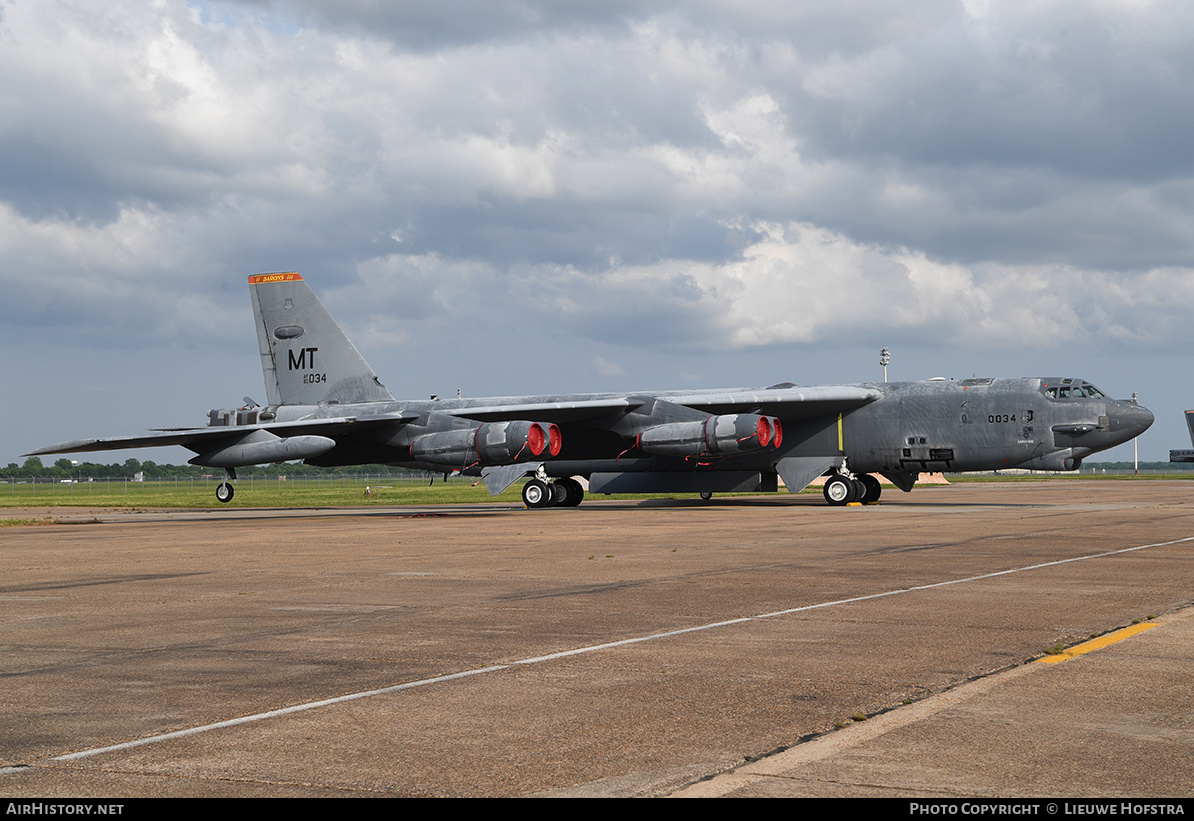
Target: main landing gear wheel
x: 536, y: 494
x: 840, y: 490
x: 562, y: 493
x: 870, y: 489
x: 568, y: 493
x: 224, y: 492
x: 706, y: 495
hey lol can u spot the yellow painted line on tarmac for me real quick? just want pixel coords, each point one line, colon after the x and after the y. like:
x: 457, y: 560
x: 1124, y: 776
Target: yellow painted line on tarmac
x: 1095, y: 644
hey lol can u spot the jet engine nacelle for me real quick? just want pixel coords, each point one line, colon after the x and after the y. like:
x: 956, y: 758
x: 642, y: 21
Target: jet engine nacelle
x: 726, y: 435
x: 493, y: 443
x: 260, y: 447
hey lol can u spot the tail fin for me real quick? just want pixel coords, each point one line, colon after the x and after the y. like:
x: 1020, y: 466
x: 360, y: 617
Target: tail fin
x: 305, y: 356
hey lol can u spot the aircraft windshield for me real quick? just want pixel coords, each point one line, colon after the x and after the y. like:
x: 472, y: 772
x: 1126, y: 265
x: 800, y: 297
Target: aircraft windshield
x: 1074, y: 392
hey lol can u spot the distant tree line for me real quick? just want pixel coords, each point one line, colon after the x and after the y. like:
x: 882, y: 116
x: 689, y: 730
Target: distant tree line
x: 1151, y: 467
x: 1120, y: 467
x: 34, y: 468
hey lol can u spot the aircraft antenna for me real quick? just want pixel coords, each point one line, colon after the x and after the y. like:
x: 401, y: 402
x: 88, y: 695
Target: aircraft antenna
x: 884, y: 359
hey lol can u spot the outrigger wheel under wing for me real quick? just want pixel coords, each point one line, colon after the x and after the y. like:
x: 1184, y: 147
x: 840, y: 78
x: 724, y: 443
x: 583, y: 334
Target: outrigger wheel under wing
x: 224, y: 490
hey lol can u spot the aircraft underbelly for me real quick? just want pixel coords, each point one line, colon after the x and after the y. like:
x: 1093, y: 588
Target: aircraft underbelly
x: 720, y: 481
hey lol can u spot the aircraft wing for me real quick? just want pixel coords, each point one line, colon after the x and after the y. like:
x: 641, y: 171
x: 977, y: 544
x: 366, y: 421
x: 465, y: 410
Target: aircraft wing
x: 548, y: 411
x: 788, y: 403
x: 192, y: 437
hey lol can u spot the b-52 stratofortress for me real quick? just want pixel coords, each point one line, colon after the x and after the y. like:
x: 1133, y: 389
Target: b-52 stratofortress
x: 327, y: 407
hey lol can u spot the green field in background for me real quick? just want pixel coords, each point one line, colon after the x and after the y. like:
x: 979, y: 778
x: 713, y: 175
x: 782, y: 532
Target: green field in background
x: 262, y: 493
x: 342, y: 492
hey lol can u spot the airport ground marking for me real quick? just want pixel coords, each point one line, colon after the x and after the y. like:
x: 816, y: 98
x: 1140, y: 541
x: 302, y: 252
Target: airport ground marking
x: 296, y: 708
x: 311, y: 705
x: 1095, y: 644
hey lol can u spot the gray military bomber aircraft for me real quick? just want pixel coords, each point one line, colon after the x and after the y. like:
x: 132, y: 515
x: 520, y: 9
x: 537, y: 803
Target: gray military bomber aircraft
x: 327, y: 407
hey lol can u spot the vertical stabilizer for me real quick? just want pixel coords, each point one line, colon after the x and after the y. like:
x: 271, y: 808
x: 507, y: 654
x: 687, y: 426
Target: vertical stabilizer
x: 305, y: 356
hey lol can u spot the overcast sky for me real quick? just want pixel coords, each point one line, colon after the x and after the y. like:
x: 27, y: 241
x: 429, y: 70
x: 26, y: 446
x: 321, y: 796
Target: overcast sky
x: 533, y: 197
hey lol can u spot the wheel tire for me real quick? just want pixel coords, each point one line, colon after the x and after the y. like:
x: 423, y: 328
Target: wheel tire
x: 560, y: 493
x: 706, y: 495
x: 576, y: 493
x: 839, y: 490
x: 859, y: 490
x: 536, y: 494
x: 871, y: 490
x: 224, y: 492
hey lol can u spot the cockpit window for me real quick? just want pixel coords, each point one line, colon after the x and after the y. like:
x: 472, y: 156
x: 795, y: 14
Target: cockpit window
x: 1074, y: 392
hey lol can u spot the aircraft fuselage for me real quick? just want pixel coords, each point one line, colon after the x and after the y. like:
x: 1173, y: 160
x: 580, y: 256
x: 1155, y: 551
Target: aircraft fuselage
x: 912, y: 427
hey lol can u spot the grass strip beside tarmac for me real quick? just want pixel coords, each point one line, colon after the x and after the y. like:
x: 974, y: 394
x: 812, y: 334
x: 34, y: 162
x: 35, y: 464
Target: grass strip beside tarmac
x: 345, y: 493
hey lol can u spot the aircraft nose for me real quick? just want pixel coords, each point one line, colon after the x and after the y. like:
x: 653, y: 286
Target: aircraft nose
x: 1130, y: 420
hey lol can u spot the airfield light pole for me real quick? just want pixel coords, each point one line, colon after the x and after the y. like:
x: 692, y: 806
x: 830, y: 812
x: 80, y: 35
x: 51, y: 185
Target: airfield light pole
x: 1136, y: 440
x: 884, y: 358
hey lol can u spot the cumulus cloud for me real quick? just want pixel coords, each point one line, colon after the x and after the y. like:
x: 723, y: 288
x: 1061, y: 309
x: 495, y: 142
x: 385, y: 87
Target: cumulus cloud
x: 795, y: 284
x: 607, y: 368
